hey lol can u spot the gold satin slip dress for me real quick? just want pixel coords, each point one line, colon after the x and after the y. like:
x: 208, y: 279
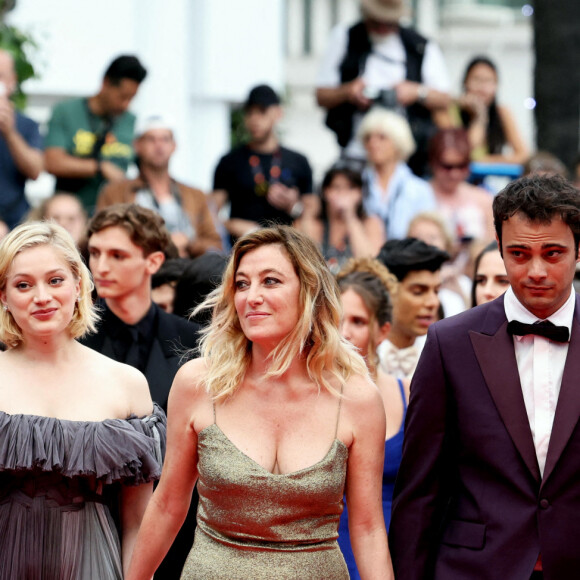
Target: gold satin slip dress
x: 253, y: 524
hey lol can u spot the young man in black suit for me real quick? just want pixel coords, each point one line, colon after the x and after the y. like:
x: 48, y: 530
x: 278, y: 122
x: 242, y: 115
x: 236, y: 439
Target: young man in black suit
x: 126, y: 245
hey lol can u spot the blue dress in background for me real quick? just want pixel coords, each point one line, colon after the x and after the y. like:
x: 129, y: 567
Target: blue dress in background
x: 393, y: 454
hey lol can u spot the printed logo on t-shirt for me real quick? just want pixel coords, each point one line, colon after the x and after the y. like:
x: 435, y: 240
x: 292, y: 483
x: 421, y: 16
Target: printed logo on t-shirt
x: 85, y: 141
x: 116, y: 149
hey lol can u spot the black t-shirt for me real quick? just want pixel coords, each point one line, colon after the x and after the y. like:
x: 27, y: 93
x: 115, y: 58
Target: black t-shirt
x: 237, y: 177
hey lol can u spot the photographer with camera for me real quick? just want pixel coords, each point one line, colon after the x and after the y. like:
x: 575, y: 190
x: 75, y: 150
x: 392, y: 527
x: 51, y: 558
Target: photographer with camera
x: 20, y: 150
x: 378, y: 61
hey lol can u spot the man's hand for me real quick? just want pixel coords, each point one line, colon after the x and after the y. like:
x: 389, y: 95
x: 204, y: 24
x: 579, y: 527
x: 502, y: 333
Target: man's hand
x: 407, y: 93
x: 350, y: 92
x: 282, y: 197
x: 355, y: 94
x: 7, y: 117
x: 410, y: 92
x: 3, y: 229
x: 110, y: 171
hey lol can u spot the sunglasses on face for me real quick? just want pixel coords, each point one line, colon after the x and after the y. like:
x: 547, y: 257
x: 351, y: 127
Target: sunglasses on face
x: 452, y: 166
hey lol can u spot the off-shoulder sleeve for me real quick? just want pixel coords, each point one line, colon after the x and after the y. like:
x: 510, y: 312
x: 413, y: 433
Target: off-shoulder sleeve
x: 126, y: 450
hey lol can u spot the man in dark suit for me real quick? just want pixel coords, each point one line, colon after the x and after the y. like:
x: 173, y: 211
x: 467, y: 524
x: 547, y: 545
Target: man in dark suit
x: 126, y: 245
x: 488, y: 485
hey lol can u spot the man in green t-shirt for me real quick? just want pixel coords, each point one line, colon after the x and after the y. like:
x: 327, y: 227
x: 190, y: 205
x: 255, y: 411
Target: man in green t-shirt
x: 89, y: 140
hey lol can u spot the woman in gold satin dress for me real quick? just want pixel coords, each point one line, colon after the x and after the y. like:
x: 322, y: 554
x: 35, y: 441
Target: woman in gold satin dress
x: 277, y: 420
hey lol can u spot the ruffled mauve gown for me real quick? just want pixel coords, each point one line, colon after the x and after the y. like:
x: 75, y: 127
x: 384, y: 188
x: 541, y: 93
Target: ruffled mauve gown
x: 59, y: 485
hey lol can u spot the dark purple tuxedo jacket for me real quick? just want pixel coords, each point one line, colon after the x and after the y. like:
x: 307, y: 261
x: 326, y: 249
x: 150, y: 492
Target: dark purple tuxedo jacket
x: 469, y: 502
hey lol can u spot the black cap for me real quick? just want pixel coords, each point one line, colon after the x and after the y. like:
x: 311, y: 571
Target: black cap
x: 410, y: 255
x: 262, y: 96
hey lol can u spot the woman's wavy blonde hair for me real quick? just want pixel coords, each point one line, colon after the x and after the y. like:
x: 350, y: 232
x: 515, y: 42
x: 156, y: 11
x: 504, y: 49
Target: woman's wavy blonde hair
x: 329, y: 358
x: 34, y: 234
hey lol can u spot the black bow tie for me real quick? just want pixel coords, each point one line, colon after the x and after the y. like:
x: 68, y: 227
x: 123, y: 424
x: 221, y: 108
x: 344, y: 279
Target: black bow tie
x: 545, y: 328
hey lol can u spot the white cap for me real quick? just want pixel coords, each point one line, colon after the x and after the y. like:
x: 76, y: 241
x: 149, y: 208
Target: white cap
x: 156, y: 121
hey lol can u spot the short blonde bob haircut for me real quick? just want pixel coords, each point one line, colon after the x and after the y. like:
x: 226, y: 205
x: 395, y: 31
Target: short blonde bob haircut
x: 34, y: 234
x: 392, y: 125
x: 330, y: 359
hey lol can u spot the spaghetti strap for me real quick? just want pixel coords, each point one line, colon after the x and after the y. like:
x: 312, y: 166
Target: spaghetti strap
x: 338, y: 413
x: 402, y: 389
x: 214, y: 419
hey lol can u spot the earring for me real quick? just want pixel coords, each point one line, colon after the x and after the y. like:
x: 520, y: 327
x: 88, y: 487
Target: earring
x: 5, y: 307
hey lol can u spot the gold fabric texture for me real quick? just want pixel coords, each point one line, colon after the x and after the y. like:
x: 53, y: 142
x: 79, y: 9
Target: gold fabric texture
x: 259, y: 525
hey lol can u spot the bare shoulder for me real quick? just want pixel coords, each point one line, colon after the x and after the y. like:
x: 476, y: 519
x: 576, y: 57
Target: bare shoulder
x: 190, y: 377
x: 510, y: 126
x: 361, y: 396
x: 363, y: 411
x: 5, y: 363
x: 505, y: 114
x: 386, y: 381
x: 188, y: 398
x: 407, y: 388
x: 128, y: 383
x: 4, y: 357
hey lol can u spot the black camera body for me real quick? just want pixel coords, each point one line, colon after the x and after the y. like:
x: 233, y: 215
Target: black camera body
x: 387, y: 98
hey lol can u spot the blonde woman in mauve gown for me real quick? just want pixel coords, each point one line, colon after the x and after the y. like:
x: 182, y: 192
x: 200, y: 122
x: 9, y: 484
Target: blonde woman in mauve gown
x: 80, y: 441
x: 274, y: 423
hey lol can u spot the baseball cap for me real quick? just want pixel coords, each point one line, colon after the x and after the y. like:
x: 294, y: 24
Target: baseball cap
x: 151, y: 122
x: 262, y: 96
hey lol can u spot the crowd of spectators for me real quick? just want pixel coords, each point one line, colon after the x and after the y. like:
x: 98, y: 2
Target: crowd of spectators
x: 406, y: 148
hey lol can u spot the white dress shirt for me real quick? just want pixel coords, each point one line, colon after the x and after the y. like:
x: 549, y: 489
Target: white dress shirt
x: 540, y: 366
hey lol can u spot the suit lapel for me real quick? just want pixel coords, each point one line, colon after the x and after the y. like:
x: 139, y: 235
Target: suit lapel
x: 496, y: 358
x: 568, y: 407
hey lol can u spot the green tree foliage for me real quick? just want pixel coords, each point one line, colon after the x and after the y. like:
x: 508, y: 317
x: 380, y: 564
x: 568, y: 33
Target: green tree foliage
x: 21, y: 46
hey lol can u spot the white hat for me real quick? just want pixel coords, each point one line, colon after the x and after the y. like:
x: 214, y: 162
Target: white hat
x: 151, y: 122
